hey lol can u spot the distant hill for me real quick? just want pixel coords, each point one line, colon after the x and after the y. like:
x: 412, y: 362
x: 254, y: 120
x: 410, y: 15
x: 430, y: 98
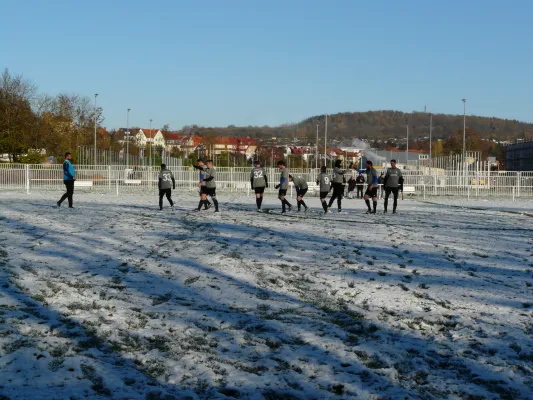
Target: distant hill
x: 385, y: 124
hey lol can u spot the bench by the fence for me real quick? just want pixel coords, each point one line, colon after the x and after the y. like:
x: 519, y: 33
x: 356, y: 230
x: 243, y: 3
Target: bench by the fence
x: 79, y: 184
x: 409, y: 190
x: 132, y: 181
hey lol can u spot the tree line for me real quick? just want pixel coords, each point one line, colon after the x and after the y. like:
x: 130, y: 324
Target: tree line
x: 32, y: 122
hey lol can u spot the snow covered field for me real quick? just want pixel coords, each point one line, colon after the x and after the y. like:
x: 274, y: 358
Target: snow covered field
x: 116, y: 299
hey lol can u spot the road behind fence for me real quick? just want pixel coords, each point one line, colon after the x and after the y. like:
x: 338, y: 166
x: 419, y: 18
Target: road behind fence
x: 115, y: 179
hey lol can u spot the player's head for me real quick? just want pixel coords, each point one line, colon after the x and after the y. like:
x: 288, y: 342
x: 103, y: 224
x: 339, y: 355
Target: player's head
x: 369, y: 163
x: 323, y: 168
x: 209, y: 163
x: 68, y: 156
x: 200, y: 162
x: 393, y: 163
x: 281, y: 164
x: 257, y: 163
x: 163, y: 166
x: 338, y: 163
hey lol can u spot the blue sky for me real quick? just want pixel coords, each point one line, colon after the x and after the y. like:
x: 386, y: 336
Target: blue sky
x: 216, y: 63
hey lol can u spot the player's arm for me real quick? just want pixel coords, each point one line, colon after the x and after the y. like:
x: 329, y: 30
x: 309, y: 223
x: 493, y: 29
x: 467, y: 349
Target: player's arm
x: 252, y: 179
x: 198, y: 167
x: 173, y: 181
x: 159, y: 182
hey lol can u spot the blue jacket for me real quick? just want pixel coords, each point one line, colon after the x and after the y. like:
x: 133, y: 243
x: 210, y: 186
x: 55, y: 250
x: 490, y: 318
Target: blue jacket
x: 68, y: 171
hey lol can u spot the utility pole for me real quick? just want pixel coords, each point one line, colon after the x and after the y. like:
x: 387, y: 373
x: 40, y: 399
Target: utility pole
x: 430, y: 144
x: 464, y: 131
x: 95, y: 122
x: 316, y: 153
x: 151, y: 143
x: 407, y: 145
x: 128, y: 138
x: 325, y: 142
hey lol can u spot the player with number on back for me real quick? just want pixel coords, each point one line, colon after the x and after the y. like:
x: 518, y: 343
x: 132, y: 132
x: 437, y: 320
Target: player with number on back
x: 259, y: 181
x: 166, y: 183
x: 325, y: 186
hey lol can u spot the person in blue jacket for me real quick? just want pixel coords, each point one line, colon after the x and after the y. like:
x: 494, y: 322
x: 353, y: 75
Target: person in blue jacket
x: 69, y: 176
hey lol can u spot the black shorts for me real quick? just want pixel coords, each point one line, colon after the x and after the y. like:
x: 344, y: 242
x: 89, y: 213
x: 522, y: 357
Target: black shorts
x: 389, y: 190
x: 372, y: 192
x: 282, y: 192
x: 203, y: 190
x: 211, y: 191
x: 323, y: 195
x: 301, y: 192
x: 259, y: 190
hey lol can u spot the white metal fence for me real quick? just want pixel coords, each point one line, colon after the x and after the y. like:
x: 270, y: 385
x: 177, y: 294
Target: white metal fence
x: 119, y: 179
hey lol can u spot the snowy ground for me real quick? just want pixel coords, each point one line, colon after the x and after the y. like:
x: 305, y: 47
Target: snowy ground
x: 115, y: 299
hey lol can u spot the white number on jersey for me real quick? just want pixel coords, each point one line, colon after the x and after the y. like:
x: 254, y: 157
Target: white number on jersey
x: 326, y: 180
x: 167, y: 177
x: 258, y: 173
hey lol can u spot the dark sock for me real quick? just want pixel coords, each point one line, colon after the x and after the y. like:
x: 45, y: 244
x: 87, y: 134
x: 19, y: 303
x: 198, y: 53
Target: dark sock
x: 216, y: 203
x: 200, y: 205
x: 258, y: 202
x: 375, y: 204
x: 303, y: 204
x: 324, y: 206
x: 339, y: 203
x: 368, y: 204
x: 299, y: 205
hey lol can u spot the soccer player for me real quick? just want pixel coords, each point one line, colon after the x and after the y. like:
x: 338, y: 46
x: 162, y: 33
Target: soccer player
x: 259, y: 181
x: 301, y: 189
x: 393, y: 179
x: 166, y: 177
x: 283, y: 186
x: 338, y: 185
x: 372, y: 188
x: 69, y: 176
x: 359, y: 181
x: 203, y: 190
x: 210, y: 184
x: 325, y: 186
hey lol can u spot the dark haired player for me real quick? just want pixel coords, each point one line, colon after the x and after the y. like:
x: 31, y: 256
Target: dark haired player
x: 393, y: 180
x: 372, y: 189
x: 283, y: 186
x: 166, y: 183
x: 301, y: 189
x: 258, y: 181
x: 338, y: 185
x: 324, y: 180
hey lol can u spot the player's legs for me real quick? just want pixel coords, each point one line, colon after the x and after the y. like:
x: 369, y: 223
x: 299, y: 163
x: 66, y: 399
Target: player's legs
x: 386, y: 201
x: 395, y: 203
x: 169, y: 197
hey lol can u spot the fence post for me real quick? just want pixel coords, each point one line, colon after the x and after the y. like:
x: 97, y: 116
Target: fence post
x: 27, y: 178
x: 468, y: 189
x: 109, y: 177
x: 513, y: 192
x: 117, y: 186
x: 424, y: 192
x: 518, y: 183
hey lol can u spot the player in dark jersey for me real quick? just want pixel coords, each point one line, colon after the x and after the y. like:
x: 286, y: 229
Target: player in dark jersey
x: 283, y: 186
x: 338, y: 185
x: 258, y: 181
x: 202, y: 185
x: 210, y: 183
x: 372, y: 189
x: 166, y: 183
x: 301, y: 189
x: 393, y: 180
x: 324, y: 180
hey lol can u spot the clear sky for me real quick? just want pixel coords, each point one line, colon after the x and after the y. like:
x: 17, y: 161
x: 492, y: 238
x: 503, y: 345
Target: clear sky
x: 251, y: 62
